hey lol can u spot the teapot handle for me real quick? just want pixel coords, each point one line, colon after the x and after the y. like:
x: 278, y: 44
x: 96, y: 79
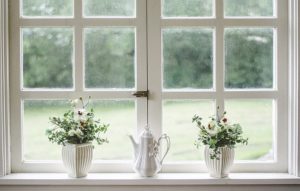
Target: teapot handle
x: 167, y: 138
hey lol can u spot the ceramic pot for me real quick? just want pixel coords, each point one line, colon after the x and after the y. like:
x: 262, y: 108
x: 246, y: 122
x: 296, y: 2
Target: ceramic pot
x: 77, y: 159
x: 219, y: 168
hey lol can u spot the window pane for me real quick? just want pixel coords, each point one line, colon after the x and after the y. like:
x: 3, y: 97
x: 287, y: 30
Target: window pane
x: 35, y: 122
x: 177, y: 123
x: 120, y: 115
x: 187, y: 8
x: 249, y: 8
x: 249, y: 58
x: 188, y: 58
x: 47, y: 57
x: 110, y: 58
x: 47, y: 8
x: 256, y: 119
x: 107, y: 8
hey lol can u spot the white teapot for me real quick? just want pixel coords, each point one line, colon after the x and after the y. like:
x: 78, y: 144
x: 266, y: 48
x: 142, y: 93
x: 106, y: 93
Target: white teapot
x: 147, y: 162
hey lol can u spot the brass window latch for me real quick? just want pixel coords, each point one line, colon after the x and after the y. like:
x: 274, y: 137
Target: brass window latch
x: 140, y: 94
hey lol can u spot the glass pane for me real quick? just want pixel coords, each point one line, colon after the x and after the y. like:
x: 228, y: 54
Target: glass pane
x: 249, y: 58
x: 47, y: 57
x: 177, y: 123
x: 256, y: 119
x: 47, y: 8
x: 35, y: 122
x: 188, y: 58
x: 187, y: 8
x: 249, y: 8
x: 110, y: 58
x: 109, y: 8
x: 121, y: 116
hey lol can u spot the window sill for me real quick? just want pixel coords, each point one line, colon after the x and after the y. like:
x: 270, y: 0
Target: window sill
x: 105, y: 179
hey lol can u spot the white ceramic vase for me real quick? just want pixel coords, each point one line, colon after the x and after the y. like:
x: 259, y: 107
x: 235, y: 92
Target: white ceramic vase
x: 219, y: 168
x: 77, y: 159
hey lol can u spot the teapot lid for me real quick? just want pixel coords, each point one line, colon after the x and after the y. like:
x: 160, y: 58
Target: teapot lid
x: 147, y: 132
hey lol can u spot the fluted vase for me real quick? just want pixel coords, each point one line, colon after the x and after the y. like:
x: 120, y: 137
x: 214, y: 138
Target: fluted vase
x: 77, y: 159
x: 219, y: 168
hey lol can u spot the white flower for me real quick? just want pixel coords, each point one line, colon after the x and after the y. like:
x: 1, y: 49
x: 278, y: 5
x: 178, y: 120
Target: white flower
x: 212, y: 128
x: 211, y: 125
x: 224, y: 121
x: 72, y: 133
x: 80, y: 114
x: 76, y: 132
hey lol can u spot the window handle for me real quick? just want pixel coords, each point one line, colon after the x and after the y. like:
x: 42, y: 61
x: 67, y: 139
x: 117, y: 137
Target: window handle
x: 141, y: 93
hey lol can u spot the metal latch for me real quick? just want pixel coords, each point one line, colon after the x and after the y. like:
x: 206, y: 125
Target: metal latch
x: 141, y: 94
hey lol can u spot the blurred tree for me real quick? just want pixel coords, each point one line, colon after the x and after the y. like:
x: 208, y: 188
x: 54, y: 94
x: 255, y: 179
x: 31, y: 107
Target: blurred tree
x: 47, y: 7
x: 249, y: 58
x: 47, y: 57
x: 109, y: 7
x: 110, y: 53
x: 187, y: 8
x: 110, y: 58
x: 188, y: 58
x: 248, y: 8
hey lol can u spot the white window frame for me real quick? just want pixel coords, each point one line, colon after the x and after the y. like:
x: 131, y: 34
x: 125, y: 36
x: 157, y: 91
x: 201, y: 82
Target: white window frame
x: 280, y: 93
x: 293, y: 110
x: 294, y: 88
x: 78, y: 23
x: 4, y: 92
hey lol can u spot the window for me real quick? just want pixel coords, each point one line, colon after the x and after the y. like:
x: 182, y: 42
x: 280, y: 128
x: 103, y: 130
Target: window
x: 192, y: 55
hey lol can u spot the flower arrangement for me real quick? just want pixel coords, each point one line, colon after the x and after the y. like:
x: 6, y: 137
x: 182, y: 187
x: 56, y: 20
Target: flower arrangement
x: 77, y: 126
x: 218, y: 133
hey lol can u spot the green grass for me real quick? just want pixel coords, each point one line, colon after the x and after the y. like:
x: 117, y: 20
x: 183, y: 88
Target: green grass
x: 255, y: 116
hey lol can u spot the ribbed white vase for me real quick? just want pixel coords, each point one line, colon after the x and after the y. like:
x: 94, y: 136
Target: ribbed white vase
x: 77, y: 159
x: 219, y: 168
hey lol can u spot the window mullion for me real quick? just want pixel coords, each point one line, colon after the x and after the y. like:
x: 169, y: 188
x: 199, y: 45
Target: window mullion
x: 95, y: 94
x: 15, y: 86
x: 154, y: 66
x: 281, y: 76
x: 78, y: 68
x: 219, y: 57
x: 141, y: 62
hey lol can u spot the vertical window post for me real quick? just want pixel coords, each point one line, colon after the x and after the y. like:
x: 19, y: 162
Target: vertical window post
x: 4, y: 90
x: 294, y: 132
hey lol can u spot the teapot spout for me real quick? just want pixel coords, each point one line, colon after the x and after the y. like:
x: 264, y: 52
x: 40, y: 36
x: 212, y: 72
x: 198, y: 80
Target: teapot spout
x: 135, y: 146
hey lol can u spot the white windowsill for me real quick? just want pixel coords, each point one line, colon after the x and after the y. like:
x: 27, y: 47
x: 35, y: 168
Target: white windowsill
x: 161, y: 179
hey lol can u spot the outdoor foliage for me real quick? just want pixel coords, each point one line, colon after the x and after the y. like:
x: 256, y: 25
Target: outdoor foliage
x: 187, y: 8
x: 187, y: 52
x: 188, y: 63
x: 39, y: 8
x: 249, y: 58
x: 109, y: 7
x: 248, y: 8
x: 110, y: 57
x: 47, y: 57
